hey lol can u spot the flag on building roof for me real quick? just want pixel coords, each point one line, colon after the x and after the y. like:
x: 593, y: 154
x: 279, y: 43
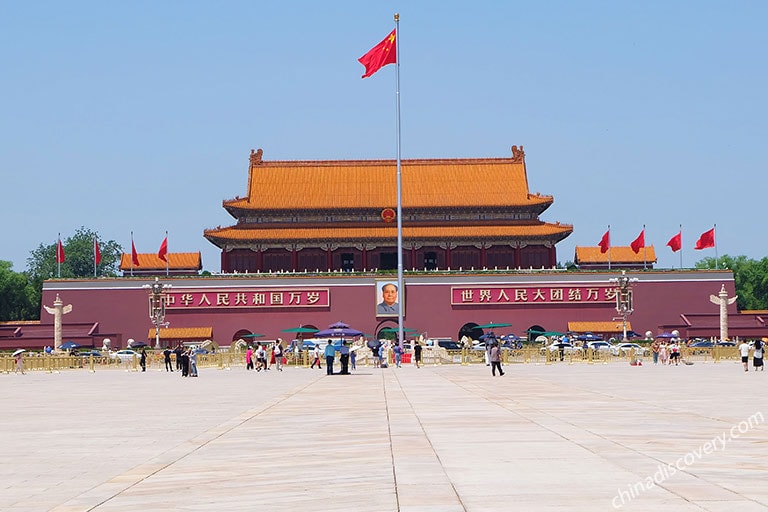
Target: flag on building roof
x: 605, y: 242
x: 60, y: 257
x: 676, y: 242
x: 134, y: 254
x: 163, y: 252
x: 706, y: 240
x: 380, y: 55
x: 638, y: 242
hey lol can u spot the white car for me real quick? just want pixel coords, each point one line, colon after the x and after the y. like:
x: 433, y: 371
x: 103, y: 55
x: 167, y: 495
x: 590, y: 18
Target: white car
x: 126, y: 355
x: 600, y: 346
x: 623, y: 349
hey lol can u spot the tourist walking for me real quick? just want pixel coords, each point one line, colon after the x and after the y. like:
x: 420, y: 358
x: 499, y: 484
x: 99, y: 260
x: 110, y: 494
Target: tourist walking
x: 249, y: 358
x: 143, y: 360
x: 663, y: 353
x: 185, y: 363
x: 330, y: 355
x: 277, y: 354
x: 674, y: 352
x: 655, y: 348
x: 317, y: 353
x: 178, y: 351
x: 168, y: 363
x: 398, y: 350
x: 417, y: 354
x: 344, y: 358
x: 193, y: 362
x: 261, y: 359
x: 495, y: 357
x: 757, y: 357
x: 19, y: 363
x: 744, y: 351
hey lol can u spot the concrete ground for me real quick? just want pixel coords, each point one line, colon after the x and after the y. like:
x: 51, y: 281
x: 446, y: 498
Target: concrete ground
x: 440, y: 438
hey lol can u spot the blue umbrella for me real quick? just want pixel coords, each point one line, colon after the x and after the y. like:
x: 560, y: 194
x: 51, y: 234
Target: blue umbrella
x: 339, y: 332
x: 69, y: 345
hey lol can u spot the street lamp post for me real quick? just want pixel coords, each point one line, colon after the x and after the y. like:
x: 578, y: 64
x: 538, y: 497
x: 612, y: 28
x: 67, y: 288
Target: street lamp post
x: 157, y: 301
x: 624, y: 304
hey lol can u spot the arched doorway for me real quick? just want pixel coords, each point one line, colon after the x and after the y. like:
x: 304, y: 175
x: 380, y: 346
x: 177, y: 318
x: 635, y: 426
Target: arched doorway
x: 470, y: 330
x: 534, y: 331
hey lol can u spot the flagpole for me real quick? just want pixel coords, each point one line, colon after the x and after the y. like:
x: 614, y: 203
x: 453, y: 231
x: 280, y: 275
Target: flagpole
x: 131, y: 253
x: 58, y: 255
x: 681, y: 247
x: 714, y: 233
x: 645, y: 251
x: 94, y: 256
x: 167, y: 254
x: 609, y: 247
x: 401, y: 290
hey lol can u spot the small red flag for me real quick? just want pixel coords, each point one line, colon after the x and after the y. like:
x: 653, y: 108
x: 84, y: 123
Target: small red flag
x: 706, y: 240
x: 96, y: 252
x: 380, y: 55
x: 639, y: 242
x: 605, y: 242
x: 134, y: 255
x: 60, y: 252
x: 163, y: 252
x: 676, y: 242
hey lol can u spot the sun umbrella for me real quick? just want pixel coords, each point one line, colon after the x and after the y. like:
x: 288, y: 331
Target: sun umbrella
x: 339, y: 325
x: 18, y: 352
x: 588, y: 336
x: 546, y: 333
x: 300, y: 329
x: 138, y: 344
x: 395, y: 329
x: 69, y: 345
x: 339, y: 332
x: 493, y: 325
x: 665, y: 335
x: 254, y: 335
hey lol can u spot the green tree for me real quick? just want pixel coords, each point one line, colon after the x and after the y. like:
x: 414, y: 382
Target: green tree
x: 15, y: 292
x: 78, y: 261
x: 750, y: 277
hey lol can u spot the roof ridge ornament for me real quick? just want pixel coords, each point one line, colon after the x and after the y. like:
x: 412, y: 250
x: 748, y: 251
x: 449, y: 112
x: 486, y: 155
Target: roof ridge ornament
x: 256, y: 156
x: 518, y: 155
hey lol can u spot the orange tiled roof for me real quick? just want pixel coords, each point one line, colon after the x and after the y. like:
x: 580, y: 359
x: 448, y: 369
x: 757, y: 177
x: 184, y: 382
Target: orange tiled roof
x: 372, y: 184
x: 390, y: 231
x: 597, y: 326
x: 176, y: 261
x: 618, y: 255
x: 183, y: 333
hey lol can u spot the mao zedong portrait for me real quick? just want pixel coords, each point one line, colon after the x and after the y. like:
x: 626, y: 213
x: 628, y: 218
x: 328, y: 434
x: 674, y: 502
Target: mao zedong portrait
x: 388, y: 305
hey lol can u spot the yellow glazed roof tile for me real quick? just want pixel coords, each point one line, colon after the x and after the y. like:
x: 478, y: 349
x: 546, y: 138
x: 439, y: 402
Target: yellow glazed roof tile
x: 176, y: 261
x: 617, y: 254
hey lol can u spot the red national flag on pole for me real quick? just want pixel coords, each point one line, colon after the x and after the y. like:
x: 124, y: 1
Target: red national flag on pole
x: 605, y: 242
x: 380, y: 55
x: 60, y: 252
x: 676, y: 242
x: 96, y: 252
x: 163, y: 252
x: 134, y: 255
x: 706, y: 240
x: 639, y: 242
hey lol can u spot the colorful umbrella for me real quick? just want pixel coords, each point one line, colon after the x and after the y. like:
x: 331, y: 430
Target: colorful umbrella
x: 18, y: 352
x: 493, y: 325
x: 395, y: 329
x: 300, y: 329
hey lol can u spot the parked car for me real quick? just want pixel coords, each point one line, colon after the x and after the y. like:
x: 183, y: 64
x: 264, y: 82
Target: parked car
x: 125, y: 355
x: 623, y: 349
x: 449, y: 345
x: 600, y: 346
x: 88, y: 353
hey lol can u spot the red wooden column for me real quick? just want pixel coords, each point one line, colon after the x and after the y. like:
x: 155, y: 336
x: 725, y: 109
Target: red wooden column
x: 260, y: 260
x: 483, y: 258
x: 329, y: 258
x: 294, y: 258
x: 518, y: 257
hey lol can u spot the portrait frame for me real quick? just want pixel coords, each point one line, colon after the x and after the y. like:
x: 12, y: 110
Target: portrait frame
x: 380, y: 307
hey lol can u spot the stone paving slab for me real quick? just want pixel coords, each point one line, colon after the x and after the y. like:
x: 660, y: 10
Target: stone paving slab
x: 440, y: 438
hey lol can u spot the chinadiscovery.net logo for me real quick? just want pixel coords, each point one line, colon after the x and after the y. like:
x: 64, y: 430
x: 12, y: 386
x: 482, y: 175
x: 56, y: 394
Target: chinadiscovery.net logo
x: 666, y: 471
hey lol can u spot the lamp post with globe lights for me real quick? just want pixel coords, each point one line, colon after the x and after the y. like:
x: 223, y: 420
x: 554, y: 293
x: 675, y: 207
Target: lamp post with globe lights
x: 157, y: 301
x: 624, y: 303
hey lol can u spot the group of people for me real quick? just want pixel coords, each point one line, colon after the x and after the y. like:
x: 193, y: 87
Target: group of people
x: 186, y: 360
x: 757, y: 355
x: 257, y: 359
x: 666, y: 353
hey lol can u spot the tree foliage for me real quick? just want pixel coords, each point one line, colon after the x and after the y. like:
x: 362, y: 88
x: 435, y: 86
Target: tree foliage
x: 78, y: 261
x: 15, y: 295
x: 750, y: 277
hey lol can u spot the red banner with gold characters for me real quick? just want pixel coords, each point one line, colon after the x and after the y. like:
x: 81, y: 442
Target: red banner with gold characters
x: 465, y: 296
x: 249, y: 299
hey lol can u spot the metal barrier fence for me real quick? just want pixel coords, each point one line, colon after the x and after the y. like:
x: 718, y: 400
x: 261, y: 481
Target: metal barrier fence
x: 364, y: 358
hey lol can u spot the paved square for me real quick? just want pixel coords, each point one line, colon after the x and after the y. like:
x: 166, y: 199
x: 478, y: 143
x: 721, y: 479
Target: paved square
x: 441, y: 438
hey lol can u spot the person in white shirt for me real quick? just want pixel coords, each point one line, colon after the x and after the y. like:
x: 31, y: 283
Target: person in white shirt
x: 318, y: 354
x: 744, y: 350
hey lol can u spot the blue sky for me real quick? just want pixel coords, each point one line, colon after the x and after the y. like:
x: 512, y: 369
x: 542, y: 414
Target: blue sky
x: 140, y: 116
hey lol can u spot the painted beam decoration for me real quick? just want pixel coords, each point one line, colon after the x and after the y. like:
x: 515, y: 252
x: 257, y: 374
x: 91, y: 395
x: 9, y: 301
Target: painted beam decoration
x: 467, y: 296
x: 249, y: 299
